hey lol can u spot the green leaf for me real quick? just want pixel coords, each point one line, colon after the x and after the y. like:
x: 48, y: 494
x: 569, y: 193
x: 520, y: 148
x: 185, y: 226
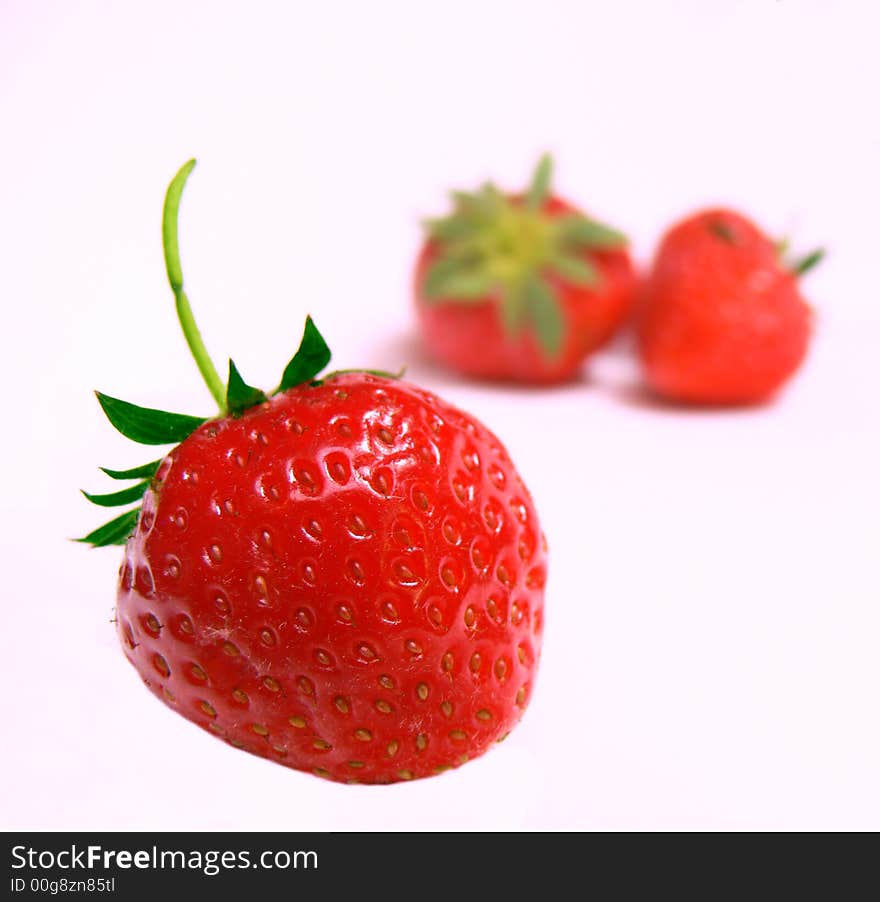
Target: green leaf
x: 240, y: 395
x: 576, y: 270
x: 545, y: 316
x: 116, y: 499
x: 513, y: 309
x: 452, y: 227
x: 115, y: 532
x: 143, y: 472
x: 539, y: 189
x: 804, y: 265
x: 453, y: 280
x: 311, y: 357
x: 579, y: 230
x: 145, y: 425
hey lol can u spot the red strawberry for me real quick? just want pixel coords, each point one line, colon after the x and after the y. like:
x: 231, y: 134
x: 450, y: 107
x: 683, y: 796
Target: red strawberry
x: 346, y: 578
x: 723, y: 320
x: 520, y: 287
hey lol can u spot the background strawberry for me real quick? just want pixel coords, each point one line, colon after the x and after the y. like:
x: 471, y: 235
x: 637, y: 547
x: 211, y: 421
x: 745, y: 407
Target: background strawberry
x: 520, y: 287
x: 722, y: 319
x: 346, y: 577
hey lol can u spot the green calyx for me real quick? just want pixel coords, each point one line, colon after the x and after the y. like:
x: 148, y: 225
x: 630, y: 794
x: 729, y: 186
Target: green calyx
x: 809, y: 261
x: 797, y: 267
x: 148, y: 426
x: 495, y: 246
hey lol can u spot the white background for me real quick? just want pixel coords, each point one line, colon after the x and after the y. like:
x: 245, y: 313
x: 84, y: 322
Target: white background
x: 712, y: 653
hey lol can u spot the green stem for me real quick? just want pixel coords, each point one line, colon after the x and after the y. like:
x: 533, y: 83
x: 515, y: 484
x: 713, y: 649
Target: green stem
x: 175, y: 279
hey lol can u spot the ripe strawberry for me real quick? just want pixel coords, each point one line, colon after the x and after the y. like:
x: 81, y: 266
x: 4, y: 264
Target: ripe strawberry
x: 346, y: 577
x: 518, y: 287
x: 723, y: 320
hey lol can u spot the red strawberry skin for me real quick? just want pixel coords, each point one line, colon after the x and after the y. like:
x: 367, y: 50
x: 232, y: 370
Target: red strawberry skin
x: 347, y: 579
x: 471, y: 338
x: 722, y: 320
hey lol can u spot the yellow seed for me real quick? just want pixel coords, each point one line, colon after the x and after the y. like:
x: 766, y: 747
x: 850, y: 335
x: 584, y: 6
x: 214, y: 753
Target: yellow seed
x: 322, y: 745
x: 448, y: 661
x: 355, y: 763
x: 230, y: 649
x: 208, y: 709
x: 383, y: 706
x: 341, y: 704
x: 422, y: 691
x: 458, y: 735
x: 297, y: 722
x: 366, y: 652
x: 271, y: 684
x: 386, y: 682
x: 521, y: 654
x: 521, y: 695
x: 259, y: 729
x: 392, y: 748
x: 198, y: 673
x: 239, y: 696
x: 446, y: 708
x: 363, y: 735
x: 484, y: 714
x: 476, y: 662
x: 405, y: 774
x: 421, y: 742
x: 321, y: 772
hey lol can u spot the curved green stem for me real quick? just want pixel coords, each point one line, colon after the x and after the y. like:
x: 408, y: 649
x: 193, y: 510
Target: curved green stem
x: 175, y: 279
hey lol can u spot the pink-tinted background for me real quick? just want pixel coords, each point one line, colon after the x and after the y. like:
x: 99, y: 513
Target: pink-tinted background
x: 711, y: 655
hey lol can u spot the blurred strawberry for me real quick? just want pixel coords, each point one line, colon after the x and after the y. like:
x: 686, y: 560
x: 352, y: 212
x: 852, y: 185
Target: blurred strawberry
x: 520, y: 287
x: 722, y: 319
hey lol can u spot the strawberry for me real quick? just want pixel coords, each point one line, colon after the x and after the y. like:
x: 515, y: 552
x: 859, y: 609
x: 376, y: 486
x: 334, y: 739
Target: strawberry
x: 520, y: 287
x: 345, y: 576
x: 722, y: 319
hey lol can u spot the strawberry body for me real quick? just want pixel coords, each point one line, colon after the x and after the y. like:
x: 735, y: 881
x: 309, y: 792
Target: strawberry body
x: 471, y: 338
x: 347, y: 579
x: 722, y: 319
